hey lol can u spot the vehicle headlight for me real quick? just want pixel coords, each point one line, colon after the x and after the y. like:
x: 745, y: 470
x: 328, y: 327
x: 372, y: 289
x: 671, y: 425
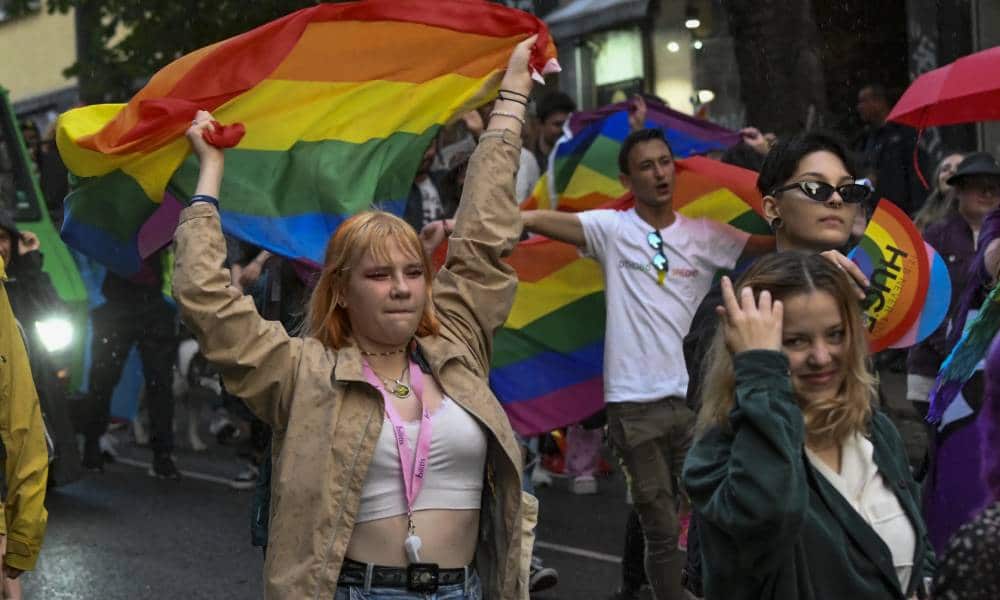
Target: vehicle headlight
x: 56, y: 333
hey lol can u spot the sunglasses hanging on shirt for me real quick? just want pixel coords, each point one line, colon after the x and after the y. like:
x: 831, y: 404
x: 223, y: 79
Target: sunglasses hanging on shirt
x: 819, y: 191
x: 660, y: 263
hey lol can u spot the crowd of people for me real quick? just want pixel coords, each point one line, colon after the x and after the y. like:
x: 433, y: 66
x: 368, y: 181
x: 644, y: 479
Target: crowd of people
x: 761, y: 454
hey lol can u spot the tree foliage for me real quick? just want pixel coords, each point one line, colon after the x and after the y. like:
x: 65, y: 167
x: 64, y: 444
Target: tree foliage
x: 121, y: 43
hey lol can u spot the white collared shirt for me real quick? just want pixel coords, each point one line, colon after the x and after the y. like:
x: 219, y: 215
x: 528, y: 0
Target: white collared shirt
x: 864, y: 488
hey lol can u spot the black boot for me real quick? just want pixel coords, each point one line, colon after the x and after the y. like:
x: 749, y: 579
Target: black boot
x: 163, y: 467
x: 93, y: 459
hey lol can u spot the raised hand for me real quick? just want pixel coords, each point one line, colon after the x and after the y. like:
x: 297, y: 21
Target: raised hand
x: 210, y: 157
x: 755, y: 139
x: 433, y: 234
x: 750, y: 324
x: 637, y: 114
x: 992, y: 259
x: 518, y: 75
x: 29, y: 243
x: 195, y: 134
x: 853, y: 271
x: 473, y: 122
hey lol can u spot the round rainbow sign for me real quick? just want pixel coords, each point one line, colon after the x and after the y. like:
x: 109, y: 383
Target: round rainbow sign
x: 894, y: 258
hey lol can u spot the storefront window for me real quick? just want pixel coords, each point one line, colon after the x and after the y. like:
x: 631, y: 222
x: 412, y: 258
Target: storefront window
x: 618, y: 65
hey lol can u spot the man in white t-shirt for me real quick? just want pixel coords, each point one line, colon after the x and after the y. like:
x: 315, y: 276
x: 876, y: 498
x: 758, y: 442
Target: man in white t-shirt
x: 658, y: 265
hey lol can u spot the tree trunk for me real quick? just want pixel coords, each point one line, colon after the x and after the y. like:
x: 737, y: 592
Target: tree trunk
x: 781, y: 73
x: 89, y: 45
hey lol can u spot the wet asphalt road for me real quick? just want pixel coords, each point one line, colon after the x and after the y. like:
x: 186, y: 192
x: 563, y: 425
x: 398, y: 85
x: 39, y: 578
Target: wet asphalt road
x: 123, y: 535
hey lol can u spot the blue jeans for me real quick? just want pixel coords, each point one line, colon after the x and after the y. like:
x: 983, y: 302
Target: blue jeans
x: 445, y: 592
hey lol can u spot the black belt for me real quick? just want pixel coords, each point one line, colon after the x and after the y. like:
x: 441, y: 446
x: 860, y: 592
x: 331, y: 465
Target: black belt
x: 354, y: 573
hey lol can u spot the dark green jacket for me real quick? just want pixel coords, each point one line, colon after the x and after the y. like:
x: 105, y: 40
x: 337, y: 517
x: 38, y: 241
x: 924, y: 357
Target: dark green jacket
x: 773, y: 527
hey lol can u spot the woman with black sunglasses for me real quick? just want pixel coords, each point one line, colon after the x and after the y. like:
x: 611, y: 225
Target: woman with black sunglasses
x: 811, y: 200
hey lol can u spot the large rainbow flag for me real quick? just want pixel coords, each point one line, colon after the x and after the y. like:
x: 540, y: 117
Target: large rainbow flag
x: 583, y: 172
x: 339, y: 102
x: 548, y: 358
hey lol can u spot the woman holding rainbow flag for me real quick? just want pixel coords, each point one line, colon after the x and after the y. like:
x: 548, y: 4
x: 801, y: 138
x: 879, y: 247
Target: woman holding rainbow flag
x: 396, y: 472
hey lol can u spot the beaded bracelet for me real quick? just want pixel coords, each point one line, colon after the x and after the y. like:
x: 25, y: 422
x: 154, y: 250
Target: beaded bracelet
x: 204, y: 198
x: 500, y: 113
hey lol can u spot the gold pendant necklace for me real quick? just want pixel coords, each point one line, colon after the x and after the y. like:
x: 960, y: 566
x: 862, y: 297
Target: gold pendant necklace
x: 400, y: 390
x: 395, y: 386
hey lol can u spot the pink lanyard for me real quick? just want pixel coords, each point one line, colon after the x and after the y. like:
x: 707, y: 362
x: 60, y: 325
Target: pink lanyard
x: 413, y: 468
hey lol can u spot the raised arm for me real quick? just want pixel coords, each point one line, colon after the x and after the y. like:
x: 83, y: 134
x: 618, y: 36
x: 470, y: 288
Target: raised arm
x: 749, y: 480
x: 256, y: 357
x: 562, y: 226
x: 993, y: 260
x: 474, y: 291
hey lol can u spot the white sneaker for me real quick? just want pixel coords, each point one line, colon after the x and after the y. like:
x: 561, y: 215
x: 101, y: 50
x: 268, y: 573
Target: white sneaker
x: 584, y: 485
x: 246, y: 479
x: 540, y: 477
x: 108, y: 445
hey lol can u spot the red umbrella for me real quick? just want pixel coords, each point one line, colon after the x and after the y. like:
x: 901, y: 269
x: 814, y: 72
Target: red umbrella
x: 967, y: 90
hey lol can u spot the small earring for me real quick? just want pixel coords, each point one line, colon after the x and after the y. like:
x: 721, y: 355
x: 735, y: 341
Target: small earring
x: 776, y: 224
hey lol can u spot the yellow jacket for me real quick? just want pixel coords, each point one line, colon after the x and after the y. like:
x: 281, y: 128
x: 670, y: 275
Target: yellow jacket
x: 26, y: 466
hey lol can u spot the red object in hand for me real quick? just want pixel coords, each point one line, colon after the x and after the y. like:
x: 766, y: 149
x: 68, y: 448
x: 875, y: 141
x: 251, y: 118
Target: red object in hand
x: 225, y: 136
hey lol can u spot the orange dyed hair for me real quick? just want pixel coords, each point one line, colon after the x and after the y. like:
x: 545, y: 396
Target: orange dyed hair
x: 375, y: 232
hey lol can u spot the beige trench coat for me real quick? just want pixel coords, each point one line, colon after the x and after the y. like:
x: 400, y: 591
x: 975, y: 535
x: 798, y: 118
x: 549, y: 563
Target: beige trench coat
x: 326, y: 418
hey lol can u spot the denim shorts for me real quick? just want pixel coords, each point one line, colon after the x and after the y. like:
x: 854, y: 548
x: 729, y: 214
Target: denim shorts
x: 445, y: 592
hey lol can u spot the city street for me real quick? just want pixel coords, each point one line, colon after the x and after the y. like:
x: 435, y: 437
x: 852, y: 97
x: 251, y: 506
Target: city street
x: 523, y: 211
x: 125, y: 535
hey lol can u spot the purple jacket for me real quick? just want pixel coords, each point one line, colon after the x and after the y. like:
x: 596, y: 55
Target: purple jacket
x: 952, y: 238
x: 993, y: 375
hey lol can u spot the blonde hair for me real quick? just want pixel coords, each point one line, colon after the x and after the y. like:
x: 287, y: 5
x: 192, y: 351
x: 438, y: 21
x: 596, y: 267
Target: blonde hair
x: 784, y: 275
x: 375, y: 232
x: 939, y: 203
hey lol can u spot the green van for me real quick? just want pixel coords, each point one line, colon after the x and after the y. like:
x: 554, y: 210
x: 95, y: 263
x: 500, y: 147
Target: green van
x: 62, y: 333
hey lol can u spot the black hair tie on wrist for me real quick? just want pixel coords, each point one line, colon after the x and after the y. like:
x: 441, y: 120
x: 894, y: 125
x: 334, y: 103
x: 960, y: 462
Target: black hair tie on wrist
x: 503, y: 91
x: 205, y: 198
x: 509, y: 99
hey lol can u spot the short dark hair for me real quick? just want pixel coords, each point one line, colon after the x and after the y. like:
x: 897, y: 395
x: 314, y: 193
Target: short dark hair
x: 878, y: 91
x: 638, y: 137
x: 784, y: 157
x: 554, y: 102
x: 743, y: 155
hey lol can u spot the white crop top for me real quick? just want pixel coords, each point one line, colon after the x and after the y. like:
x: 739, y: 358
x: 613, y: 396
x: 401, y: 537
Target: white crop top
x: 455, y: 474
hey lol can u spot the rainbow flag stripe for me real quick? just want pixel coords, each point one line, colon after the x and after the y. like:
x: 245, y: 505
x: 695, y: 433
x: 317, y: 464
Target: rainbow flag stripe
x: 894, y: 258
x: 339, y: 102
x: 548, y: 358
x: 583, y: 173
